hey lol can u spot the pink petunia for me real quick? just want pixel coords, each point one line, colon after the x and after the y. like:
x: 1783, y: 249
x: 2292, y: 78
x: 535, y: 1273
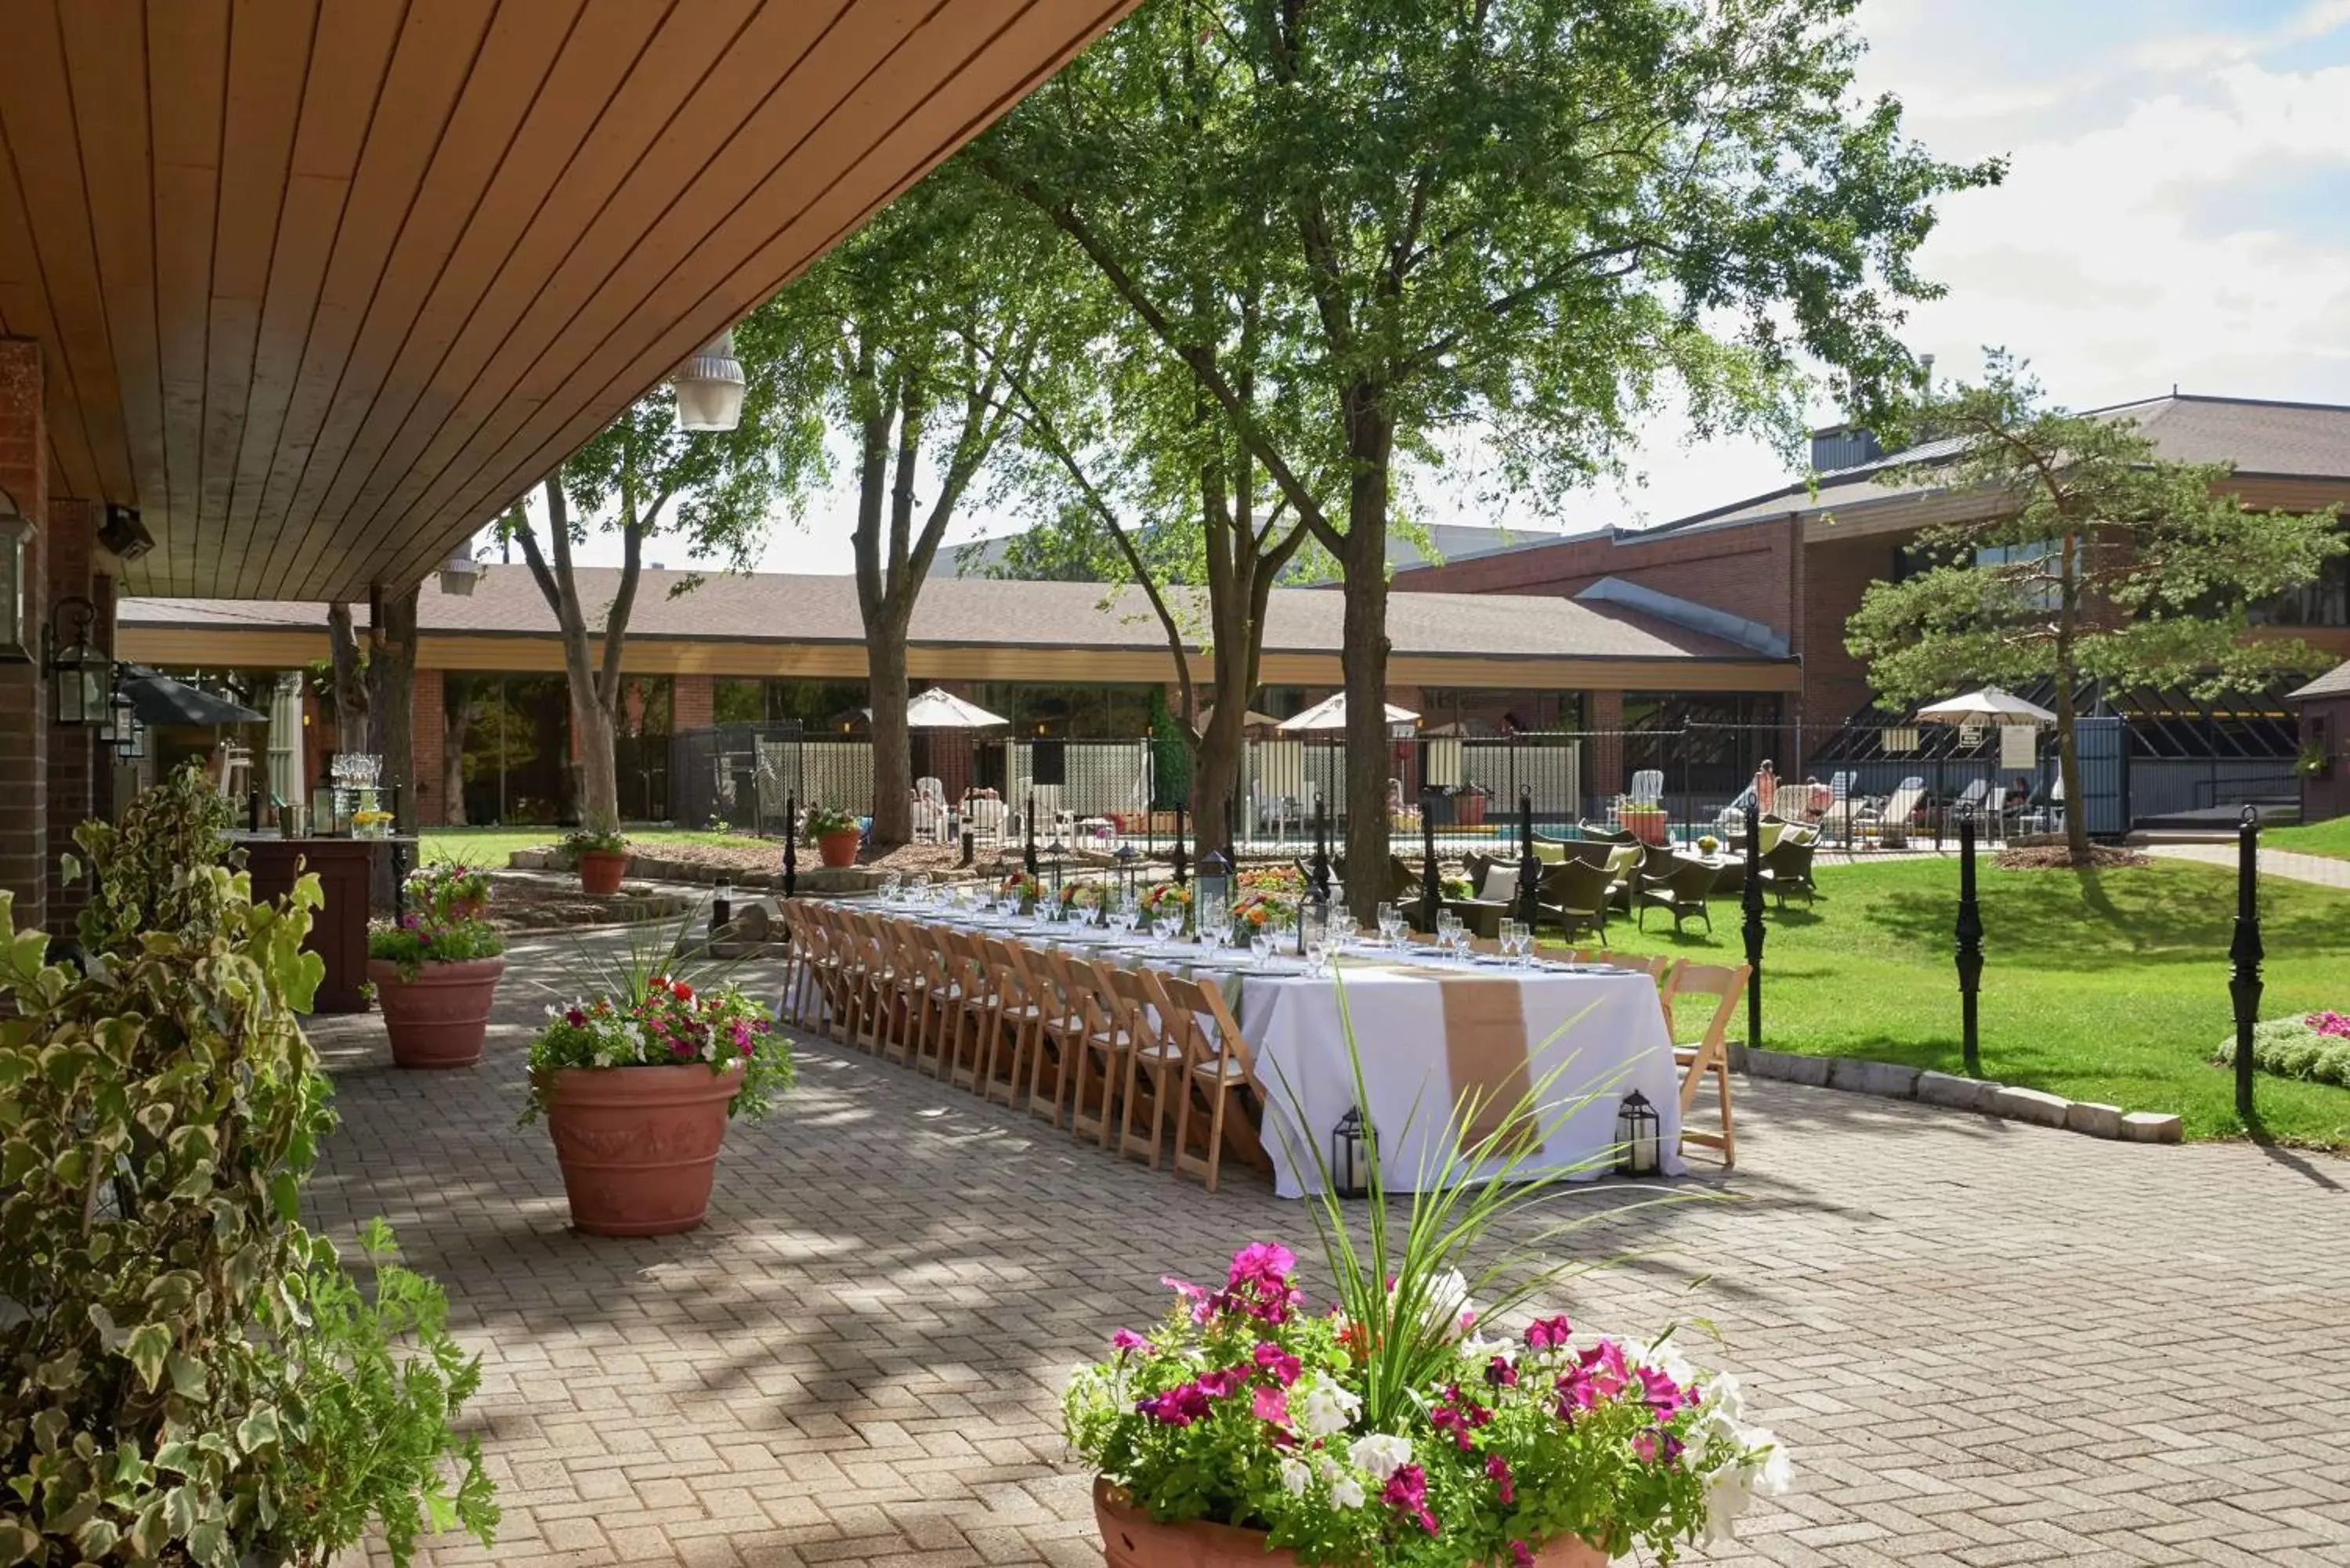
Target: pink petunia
x: 1505, y: 1485
x: 1277, y: 1363
x: 1179, y: 1406
x: 1407, y: 1493
x: 1271, y: 1405
x: 1520, y: 1555
x: 1548, y: 1334
x: 1126, y: 1340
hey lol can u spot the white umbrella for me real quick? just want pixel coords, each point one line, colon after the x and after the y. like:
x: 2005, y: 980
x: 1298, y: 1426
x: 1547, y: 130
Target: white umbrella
x: 1989, y: 706
x: 937, y: 709
x: 1331, y: 715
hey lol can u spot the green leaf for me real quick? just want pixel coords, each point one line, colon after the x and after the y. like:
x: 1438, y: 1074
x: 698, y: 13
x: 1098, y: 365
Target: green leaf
x: 19, y: 1543
x: 208, y: 1542
x: 148, y: 1343
x: 258, y: 1429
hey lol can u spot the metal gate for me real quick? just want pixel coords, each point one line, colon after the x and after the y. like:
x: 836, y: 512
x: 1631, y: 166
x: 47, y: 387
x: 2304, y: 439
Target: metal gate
x: 2102, y: 746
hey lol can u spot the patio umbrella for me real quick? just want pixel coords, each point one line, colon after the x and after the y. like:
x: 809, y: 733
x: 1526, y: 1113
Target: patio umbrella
x: 1252, y: 720
x: 1331, y: 715
x: 1989, y: 706
x: 937, y: 709
x: 160, y: 700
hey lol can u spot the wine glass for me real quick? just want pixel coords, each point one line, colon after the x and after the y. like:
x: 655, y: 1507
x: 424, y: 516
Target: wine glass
x: 1317, y: 950
x: 1262, y: 942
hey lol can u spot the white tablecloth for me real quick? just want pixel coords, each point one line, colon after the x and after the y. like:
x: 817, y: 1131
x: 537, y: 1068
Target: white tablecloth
x: 1604, y: 1034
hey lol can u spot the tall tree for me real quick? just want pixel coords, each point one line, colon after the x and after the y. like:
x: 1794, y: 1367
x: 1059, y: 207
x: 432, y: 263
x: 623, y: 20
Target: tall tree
x: 456, y: 720
x: 917, y: 316
x: 1530, y: 216
x: 640, y: 477
x: 2112, y: 564
x: 348, y: 675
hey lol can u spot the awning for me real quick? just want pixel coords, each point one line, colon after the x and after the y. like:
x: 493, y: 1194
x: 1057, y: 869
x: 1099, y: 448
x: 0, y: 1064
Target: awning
x: 160, y: 700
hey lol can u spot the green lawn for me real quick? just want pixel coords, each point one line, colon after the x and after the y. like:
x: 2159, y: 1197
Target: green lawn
x: 2317, y: 838
x: 490, y: 846
x: 2109, y: 986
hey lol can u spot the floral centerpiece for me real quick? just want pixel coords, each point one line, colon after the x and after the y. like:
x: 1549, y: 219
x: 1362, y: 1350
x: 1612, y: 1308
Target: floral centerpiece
x: 638, y: 1081
x: 1262, y: 910
x: 1398, y: 1422
x: 601, y: 854
x: 435, y: 975
x: 1707, y: 844
x: 1164, y: 898
x: 1081, y: 896
x: 1021, y: 887
x: 370, y: 821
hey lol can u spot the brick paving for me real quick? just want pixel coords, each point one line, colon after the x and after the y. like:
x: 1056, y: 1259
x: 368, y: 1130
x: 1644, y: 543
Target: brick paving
x: 1989, y: 1344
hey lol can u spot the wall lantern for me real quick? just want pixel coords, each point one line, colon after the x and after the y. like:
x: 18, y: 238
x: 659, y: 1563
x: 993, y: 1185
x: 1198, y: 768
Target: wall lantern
x: 80, y: 674
x: 460, y: 572
x: 130, y: 742
x: 710, y: 388
x: 114, y: 728
x: 16, y: 603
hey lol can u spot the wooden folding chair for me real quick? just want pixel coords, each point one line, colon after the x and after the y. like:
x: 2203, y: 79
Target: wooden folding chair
x: 1068, y: 1019
x: 906, y: 995
x: 972, y: 996
x: 1154, y: 1062
x: 1018, y: 1020
x: 1710, y: 1053
x: 1215, y: 1063
x: 810, y: 968
x: 1103, y: 1045
x: 868, y: 980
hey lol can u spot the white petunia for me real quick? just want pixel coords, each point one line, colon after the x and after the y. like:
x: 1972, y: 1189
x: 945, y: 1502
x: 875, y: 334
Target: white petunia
x: 1727, y: 1493
x: 1327, y: 1409
x: 1347, y: 1492
x: 1296, y: 1477
x: 1775, y: 1476
x: 1479, y: 1348
x: 1669, y: 1360
x: 1382, y: 1453
x: 1725, y: 1399
x: 1447, y: 1299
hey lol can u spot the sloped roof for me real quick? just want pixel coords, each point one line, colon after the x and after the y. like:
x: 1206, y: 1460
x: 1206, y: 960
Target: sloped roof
x: 2334, y: 682
x: 984, y: 612
x: 2296, y: 441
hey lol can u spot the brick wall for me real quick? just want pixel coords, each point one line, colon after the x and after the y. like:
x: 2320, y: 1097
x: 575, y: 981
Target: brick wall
x: 73, y: 759
x: 1835, y: 574
x: 428, y: 732
x: 23, y: 727
x: 690, y: 698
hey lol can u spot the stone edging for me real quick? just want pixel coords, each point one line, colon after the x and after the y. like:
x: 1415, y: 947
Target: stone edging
x: 1891, y: 1081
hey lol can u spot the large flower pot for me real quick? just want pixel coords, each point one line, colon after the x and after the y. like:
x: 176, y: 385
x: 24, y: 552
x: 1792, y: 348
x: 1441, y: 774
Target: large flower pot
x: 600, y: 871
x: 839, y: 848
x: 438, y: 1019
x: 1130, y: 1539
x: 637, y: 1144
x: 1469, y: 809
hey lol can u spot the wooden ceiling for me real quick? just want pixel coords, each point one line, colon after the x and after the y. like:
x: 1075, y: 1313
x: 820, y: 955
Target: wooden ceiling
x: 323, y: 285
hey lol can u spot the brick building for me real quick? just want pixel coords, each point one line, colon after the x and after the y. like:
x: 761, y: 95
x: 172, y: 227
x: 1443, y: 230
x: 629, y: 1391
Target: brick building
x: 1794, y: 563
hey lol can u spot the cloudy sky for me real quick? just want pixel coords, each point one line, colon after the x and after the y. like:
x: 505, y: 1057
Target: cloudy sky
x: 2177, y: 211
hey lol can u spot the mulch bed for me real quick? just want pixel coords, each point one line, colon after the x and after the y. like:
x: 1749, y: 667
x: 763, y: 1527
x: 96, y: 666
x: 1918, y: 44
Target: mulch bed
x: 2056, y: 858
x: 537, y: 904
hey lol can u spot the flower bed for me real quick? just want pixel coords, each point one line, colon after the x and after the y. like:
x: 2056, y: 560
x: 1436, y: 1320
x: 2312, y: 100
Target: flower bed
x: 2315, y: 1046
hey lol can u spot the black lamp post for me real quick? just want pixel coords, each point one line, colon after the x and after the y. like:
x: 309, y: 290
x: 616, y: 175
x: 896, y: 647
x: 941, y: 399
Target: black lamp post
x: 1432, y: 882
x: 1321, y: 876
x: 1028, y: 834
x: 1529, y: 866
x: 791, y: 843
x: 1970, y: 954
x: 1751, y: 902
x: 2244, y: 985
x: 1179, y: 868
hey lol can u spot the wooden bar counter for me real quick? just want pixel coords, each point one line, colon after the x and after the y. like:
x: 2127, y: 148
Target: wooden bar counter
x: 338, y: 929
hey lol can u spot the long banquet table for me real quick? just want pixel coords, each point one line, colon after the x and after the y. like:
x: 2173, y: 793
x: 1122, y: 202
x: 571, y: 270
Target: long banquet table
x: 1427, y: 1029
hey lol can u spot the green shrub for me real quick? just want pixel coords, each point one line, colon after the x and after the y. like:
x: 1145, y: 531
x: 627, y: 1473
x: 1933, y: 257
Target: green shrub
x: 2314, y: 1047
x: 166, y: 1392
x: 424, y: 938
x: 580, y: 840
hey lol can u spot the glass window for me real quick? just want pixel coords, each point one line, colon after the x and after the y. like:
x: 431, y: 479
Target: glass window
x: 2324, y: 602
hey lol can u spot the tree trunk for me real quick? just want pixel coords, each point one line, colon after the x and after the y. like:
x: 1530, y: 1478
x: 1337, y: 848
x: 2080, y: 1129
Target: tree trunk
x: 599, y: 784
x: 1363, y: 654
x: 893, y: 749
x: 1216, y: 768
x: 457, y: 717
x: 350, y: 685
x: 391, y: 700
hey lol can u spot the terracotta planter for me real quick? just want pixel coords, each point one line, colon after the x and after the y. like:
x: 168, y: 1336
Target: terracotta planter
x: 600, y: 871
x: 637, y: 1144
x: 1131, y: 1540
x: 839, y: 848
x: 1647, y: 826
x: 1469, y: 810
x: 438, y: 1019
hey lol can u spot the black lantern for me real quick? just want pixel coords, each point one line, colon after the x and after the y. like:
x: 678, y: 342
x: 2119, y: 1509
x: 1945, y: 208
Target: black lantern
x: 80, y: 674
x: 722, y: 906
x: 1639, y: 1136
x: 114, y: 725
x: 1127, y: 876
x: 1212, y: 901
x: 1350, y: 1155
x: 131, y: 738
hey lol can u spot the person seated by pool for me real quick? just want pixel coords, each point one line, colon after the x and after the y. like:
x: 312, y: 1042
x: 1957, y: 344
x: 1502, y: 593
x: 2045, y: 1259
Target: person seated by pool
x: 2019, y: 794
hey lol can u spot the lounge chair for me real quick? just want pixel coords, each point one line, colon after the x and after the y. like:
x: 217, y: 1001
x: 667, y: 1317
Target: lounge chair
x: 1676, y: 885
x: 1787, y: 868
x: 1894, y: 819
x: 1574, y: 894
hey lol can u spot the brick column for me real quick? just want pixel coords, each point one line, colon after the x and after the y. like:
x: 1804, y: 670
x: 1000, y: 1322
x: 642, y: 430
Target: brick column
x: 691, y: 700
x: 1605, y: 714
x: 429, y: 733
x: 73, y: 774
x: 23, y: 713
